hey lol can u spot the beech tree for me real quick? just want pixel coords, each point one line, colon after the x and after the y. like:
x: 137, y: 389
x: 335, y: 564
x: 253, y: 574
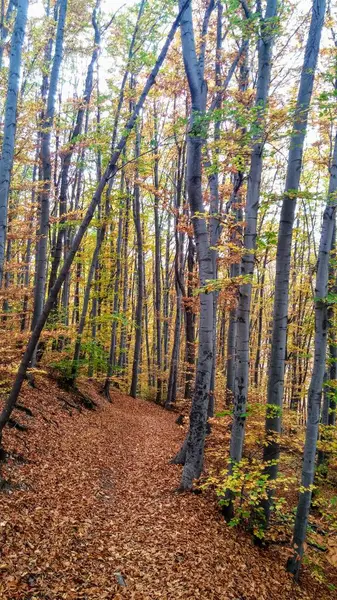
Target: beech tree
x: 280, y: 315
x: 317, y: 377
x: 267, y: 25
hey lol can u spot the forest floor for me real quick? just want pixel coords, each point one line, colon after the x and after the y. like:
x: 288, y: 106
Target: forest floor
x: 91, y: 503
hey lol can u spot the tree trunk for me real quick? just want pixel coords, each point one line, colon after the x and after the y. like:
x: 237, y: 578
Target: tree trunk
x: 198, y: 417
x: 247, y: 267
x: 123, y: 339
x: 190, y: 322
x: 140, y: 276
x: 113, y: 342
x: 280, y: 314
x: 157, y: 269
x: 316, y: 384
x: 173, y: 374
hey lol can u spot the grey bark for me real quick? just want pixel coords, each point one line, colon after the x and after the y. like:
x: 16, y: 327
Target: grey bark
x: 157, y: 265
x: 173, y: 373
x: 236, y: 239
x: 190, y: 322
x: 166, y: 290
x: 140, y: 276
x: 283, y: 257
x: 214, y: 225
x: 178, y: 272
x: 113, y: 342
x: 317, y: 377
x: 265, y: 46
x: 198, y: 417
x: 123, y: 339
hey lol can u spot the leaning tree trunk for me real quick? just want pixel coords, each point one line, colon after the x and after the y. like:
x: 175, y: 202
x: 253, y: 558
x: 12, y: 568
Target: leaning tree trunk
x: 7, y: 151
x: 283, y: 257
x: 317, y: 377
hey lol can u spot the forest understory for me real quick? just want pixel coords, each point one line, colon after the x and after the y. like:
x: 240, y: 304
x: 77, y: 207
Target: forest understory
x: 90, y: 510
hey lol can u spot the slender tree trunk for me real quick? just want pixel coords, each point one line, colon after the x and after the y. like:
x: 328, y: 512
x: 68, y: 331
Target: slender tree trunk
x: 123, y: 339
x: 215, y: 226
x: 174, y: 373
x: 190, y: 322
x: 283, y: 257
x: 166, y: 290
x: 236, y: 239
x: 140, y: 277
x: 157, y: 265
x: 247, y: 267
x: 28, y: 255
x: 316, y: 384
x: 178, y: 272
x: 260, y: 321
x: 113, y: 342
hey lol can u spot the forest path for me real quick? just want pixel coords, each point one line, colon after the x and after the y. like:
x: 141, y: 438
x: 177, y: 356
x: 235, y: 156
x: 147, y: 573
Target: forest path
x: 100, y: 500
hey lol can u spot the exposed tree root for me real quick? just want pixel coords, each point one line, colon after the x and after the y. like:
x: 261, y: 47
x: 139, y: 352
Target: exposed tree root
x: 180, y: 457
x: 12, y: 423
x: 31, y: 380
x: 24, y: 409
x: 106, y: 391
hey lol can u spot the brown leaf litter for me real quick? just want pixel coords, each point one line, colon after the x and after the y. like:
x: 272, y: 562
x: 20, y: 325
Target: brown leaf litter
x: 92, y: 506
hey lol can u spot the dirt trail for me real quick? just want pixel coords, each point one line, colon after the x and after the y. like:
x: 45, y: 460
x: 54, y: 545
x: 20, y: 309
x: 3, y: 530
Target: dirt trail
x: 97, y: 498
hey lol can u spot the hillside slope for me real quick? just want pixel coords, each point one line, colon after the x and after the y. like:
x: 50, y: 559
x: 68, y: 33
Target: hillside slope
x: 91, y: 504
